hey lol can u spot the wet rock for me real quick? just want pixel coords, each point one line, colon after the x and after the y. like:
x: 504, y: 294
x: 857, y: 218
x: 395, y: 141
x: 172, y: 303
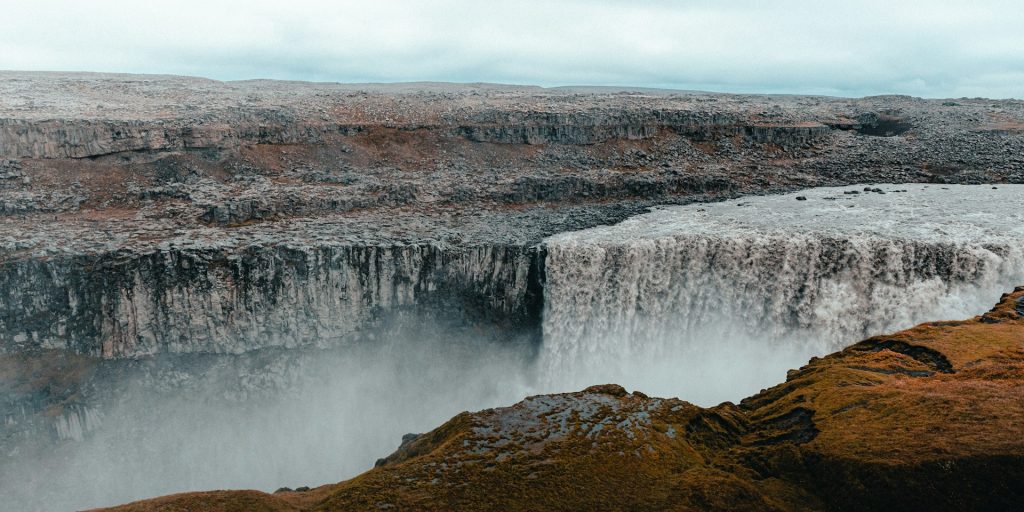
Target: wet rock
x: 197, y: 218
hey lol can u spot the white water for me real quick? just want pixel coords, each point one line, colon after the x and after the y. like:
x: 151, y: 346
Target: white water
x: 712, y: 302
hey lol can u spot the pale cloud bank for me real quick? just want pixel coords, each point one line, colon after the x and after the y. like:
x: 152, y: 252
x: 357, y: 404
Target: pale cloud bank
x: 851, y: 48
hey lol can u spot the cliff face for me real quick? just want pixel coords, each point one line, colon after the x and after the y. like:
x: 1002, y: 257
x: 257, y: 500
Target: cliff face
x: 891, y: 423
x: 601, y: 126
x: 195, y: 300
x: 57, y: 139
x: 92, y: 138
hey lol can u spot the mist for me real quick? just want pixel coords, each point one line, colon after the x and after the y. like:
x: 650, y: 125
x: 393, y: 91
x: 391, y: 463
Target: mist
x: 294, y: 418
x: 311, y: 417
x: 270, y: 419
x: 291, y: 418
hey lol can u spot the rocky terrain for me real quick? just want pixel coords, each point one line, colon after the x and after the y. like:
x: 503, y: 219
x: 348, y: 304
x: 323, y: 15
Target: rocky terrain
x: 924, y: 419
x: 116, y: 191
x: 173, y: 234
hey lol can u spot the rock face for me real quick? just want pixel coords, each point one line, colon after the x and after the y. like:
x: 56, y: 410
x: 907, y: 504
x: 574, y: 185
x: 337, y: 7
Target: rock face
x: 927, y: 418
x: 222, y: 300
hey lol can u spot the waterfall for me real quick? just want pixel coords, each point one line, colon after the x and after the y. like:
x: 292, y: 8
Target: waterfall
x: 656, y: 299
x: 77, y: 422
x: 707, y: 302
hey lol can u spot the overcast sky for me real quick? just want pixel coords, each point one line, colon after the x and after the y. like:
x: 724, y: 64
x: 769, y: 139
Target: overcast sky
x: 931, y: 48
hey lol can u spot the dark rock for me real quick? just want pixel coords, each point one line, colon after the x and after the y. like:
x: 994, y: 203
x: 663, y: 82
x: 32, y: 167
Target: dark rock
x: 929, y: 357
x: 882, y: 124
x: 607, y: 389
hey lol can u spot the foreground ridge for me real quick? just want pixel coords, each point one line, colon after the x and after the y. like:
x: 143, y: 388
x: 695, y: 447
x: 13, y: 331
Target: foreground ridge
x: 926, y: 418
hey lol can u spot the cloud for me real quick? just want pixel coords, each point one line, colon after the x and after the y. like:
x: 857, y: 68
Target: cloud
x: 927, y: 48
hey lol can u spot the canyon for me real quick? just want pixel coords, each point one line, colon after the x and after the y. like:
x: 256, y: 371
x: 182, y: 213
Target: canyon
x: 333, y: 265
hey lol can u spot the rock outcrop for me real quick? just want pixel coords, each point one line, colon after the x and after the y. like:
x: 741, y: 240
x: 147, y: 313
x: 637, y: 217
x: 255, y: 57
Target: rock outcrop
x: 927, y: 418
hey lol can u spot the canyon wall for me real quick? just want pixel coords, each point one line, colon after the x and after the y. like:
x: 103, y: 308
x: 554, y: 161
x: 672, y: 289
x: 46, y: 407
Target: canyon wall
x: 497, y: 168
x: 92, y: 138
x: 226, y: 301
x: 55, y: 139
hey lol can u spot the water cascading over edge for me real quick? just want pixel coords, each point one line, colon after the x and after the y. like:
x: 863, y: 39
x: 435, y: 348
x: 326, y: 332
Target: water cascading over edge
x: 666, y: 299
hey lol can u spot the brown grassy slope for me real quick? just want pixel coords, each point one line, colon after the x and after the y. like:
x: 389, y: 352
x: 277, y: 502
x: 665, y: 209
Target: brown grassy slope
x: 928, y: 418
